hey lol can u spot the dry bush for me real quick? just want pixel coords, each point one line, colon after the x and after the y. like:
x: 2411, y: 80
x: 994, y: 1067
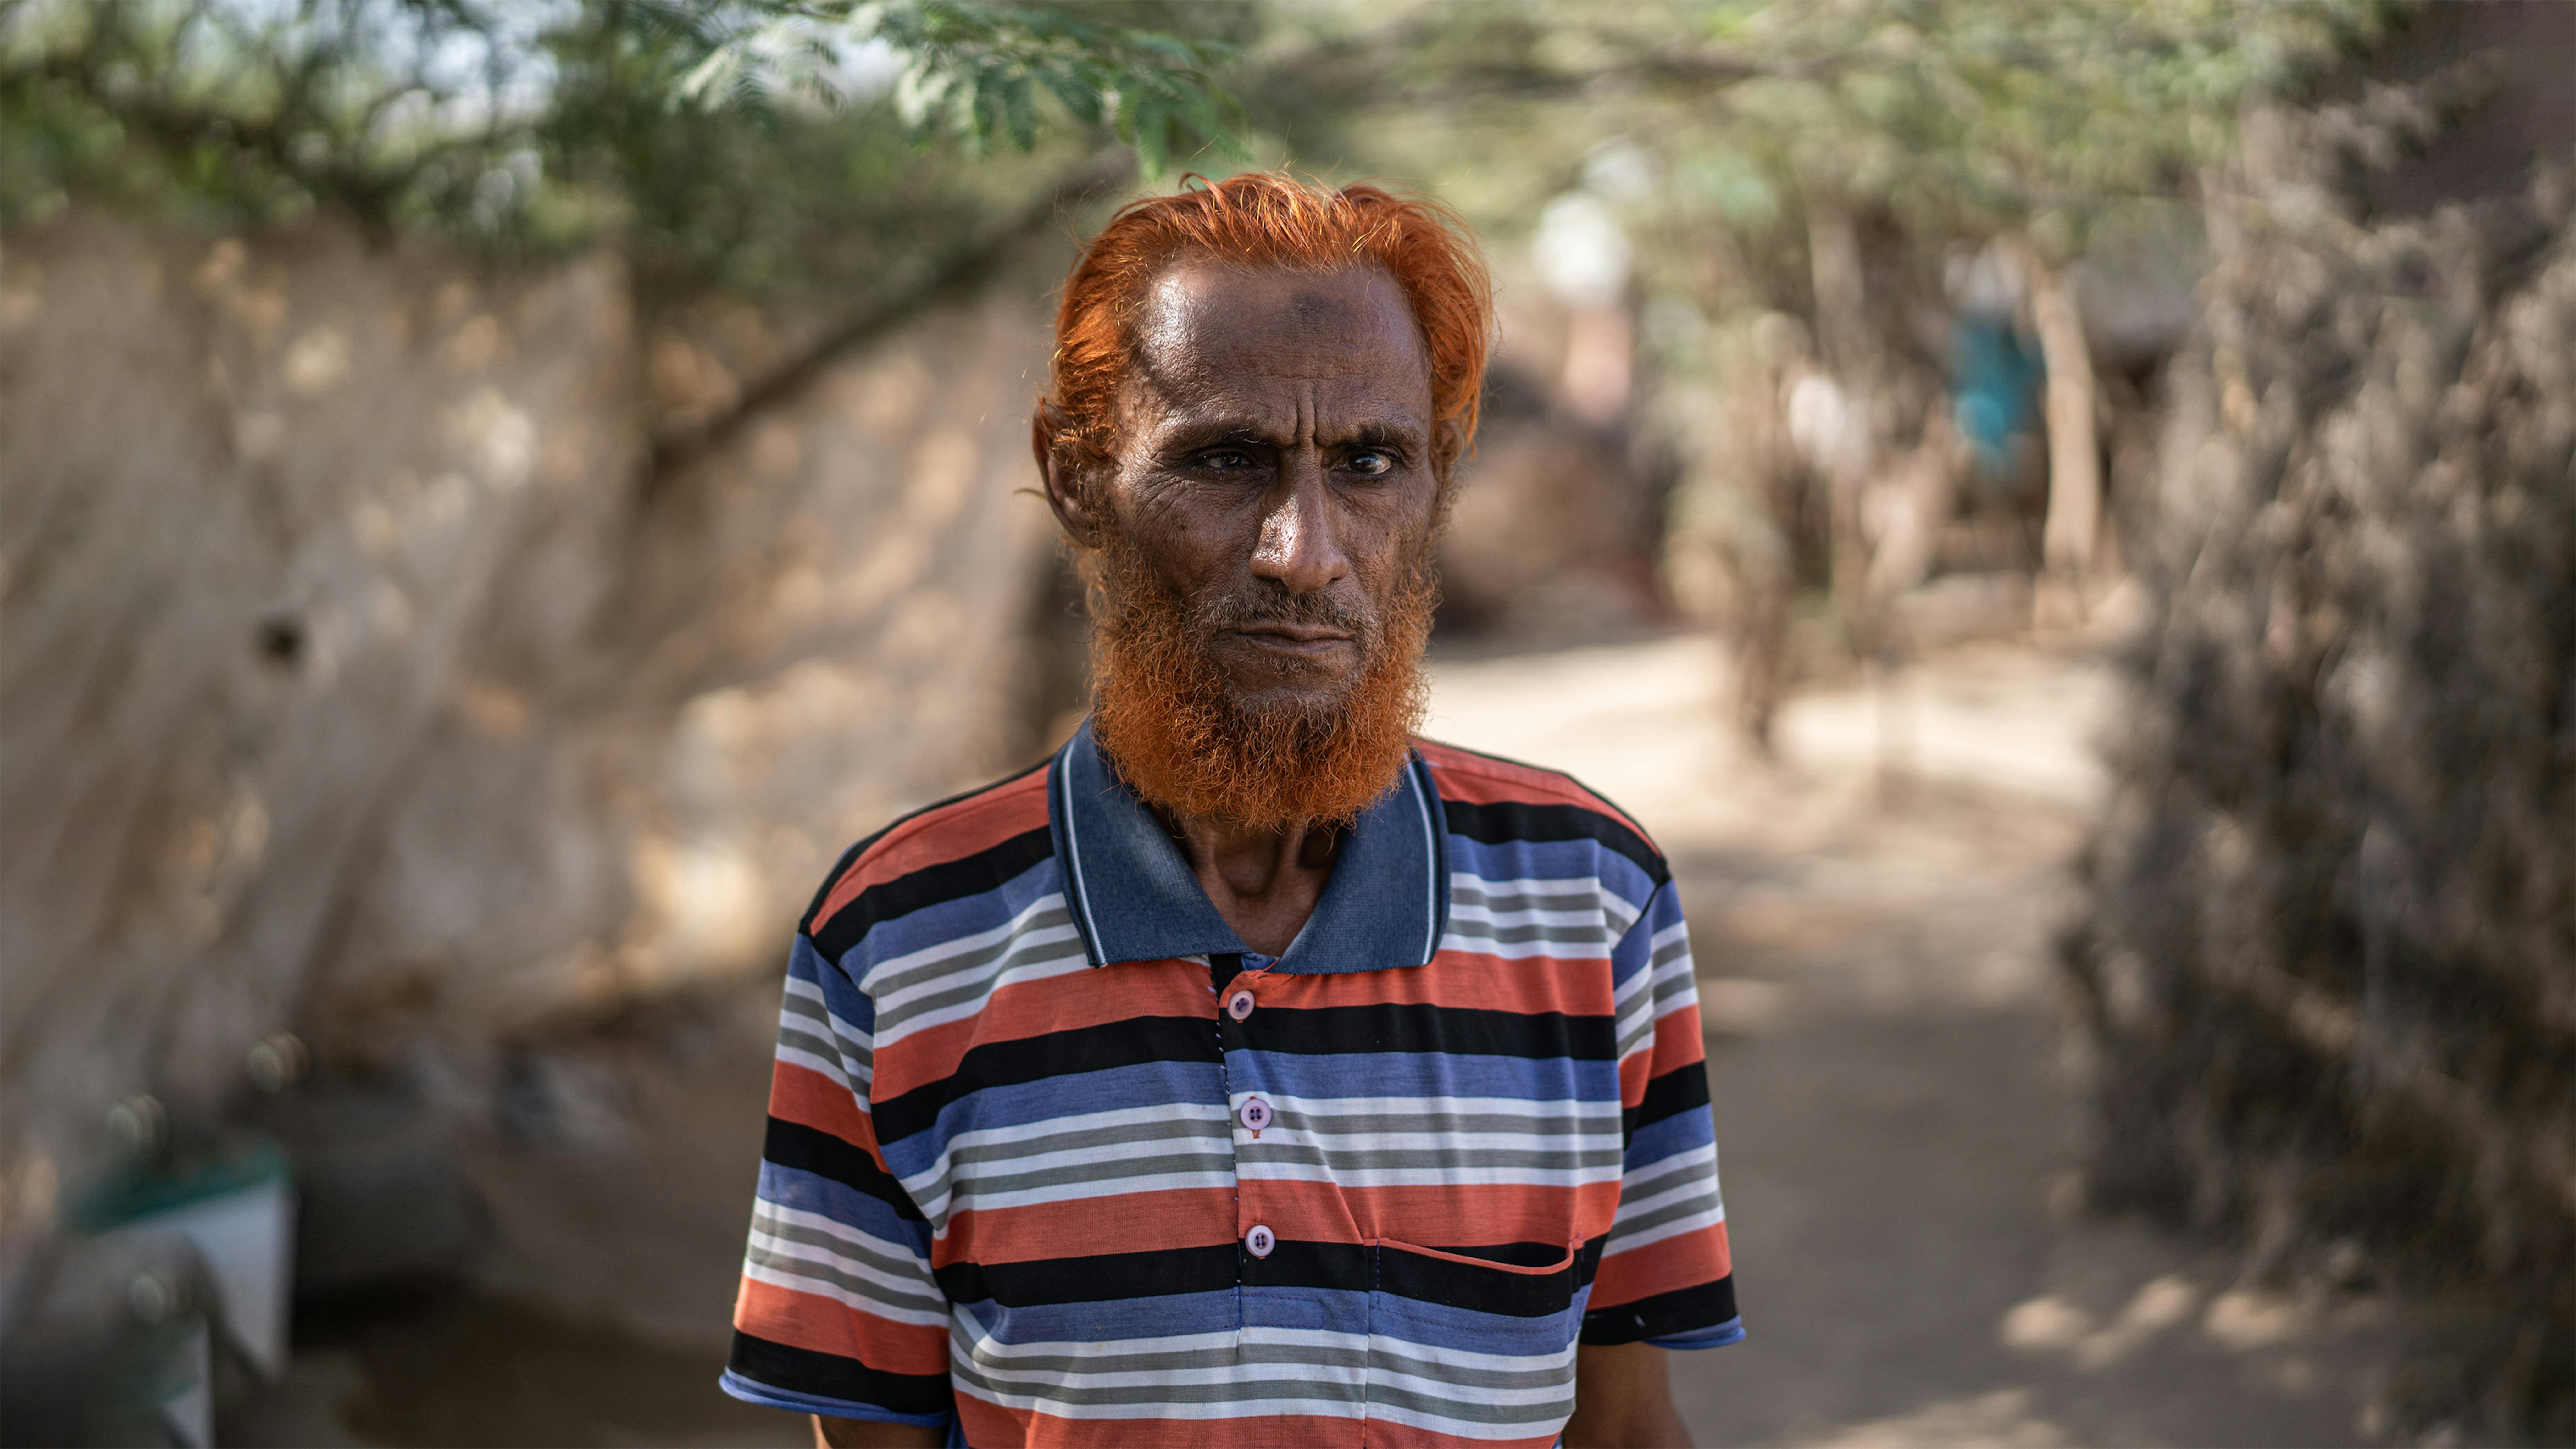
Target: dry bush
x: 2329, y: 967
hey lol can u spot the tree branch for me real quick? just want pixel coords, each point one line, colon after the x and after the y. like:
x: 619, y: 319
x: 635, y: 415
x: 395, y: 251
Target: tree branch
x: 953, y: 279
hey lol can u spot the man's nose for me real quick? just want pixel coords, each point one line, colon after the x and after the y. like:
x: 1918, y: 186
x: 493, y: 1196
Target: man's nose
x: 1299, y: 546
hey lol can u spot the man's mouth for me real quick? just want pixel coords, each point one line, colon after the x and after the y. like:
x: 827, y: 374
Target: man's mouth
x: 1309, y: 641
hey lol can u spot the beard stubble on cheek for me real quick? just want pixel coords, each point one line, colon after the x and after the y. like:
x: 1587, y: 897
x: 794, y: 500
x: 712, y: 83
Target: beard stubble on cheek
x: 1167, y: 718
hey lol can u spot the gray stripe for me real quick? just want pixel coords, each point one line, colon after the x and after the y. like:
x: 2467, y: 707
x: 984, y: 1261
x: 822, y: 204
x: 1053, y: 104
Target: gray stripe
x: 1339, y: 1123
x: 1575, y: 899
x: 1086, y: 1172
x: 808, y: 1022
x: 1225, y: 1391
x: 1239, y: 1355
x: 1663, y: 1175
x: 886, y: 984
x: 1545, y: 1411
x: 1342, y: 1159
x: 976, y: 979
x: 1670, y: 1212
x: 1636, y: 1027
x: 866, y: 1288
x: 1596, y: 936
x: 1456, y: 1376
x: 1211, y: 1133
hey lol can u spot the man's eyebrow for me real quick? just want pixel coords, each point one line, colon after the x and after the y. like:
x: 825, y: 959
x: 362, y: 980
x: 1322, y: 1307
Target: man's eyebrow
x: 1218, y: 429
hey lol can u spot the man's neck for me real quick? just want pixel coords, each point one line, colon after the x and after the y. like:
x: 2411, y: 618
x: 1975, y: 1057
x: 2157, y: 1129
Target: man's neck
x: 1265, y: 883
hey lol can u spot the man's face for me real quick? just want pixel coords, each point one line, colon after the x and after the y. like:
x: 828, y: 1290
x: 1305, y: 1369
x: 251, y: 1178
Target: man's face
x: 1274, y: 470
x: 1259, y: 545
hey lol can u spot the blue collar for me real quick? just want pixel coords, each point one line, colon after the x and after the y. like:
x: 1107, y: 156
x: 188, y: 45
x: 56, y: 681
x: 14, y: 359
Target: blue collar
x: 1134, y: 898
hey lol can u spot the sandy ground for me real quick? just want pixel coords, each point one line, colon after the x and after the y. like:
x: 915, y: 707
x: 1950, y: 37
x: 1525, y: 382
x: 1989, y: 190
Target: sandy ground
x: 1897, y: 1116
x: 1897, y: 1119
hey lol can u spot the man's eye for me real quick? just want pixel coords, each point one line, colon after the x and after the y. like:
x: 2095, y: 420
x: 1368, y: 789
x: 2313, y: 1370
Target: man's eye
x: 1371, y: 464
x: 1225, y: 460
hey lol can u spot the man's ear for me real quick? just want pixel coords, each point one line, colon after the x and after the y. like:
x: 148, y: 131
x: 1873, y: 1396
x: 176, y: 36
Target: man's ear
x: 1064, y: 492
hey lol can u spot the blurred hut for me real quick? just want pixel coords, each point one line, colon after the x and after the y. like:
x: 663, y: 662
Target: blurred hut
x: 2328, y: 971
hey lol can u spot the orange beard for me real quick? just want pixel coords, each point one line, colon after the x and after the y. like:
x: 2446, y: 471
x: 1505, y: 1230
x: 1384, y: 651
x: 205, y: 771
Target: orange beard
x: 1164, y: 716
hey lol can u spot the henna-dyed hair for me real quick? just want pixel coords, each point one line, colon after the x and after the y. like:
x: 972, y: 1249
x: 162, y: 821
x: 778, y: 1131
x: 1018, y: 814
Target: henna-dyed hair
x: 1267, y: 219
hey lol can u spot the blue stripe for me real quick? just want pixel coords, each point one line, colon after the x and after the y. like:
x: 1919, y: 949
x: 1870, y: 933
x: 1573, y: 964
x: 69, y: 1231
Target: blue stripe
x: 1171, y: 1315
x: 952, y: 920
x: 841, y: 995
x: 1731, y: 1331
x: 1147, y: 1084
x: 1551, y: 860
x: 1680, y: 1132
x: 752, y: 1392
x: 806, y: 1192
x: 1408, y: 1074
x: 1437, y: 1325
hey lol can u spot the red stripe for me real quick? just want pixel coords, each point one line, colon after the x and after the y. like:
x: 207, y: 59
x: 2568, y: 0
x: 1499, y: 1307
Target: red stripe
x: 1075, y: 999
x: 1678, y: 1040
x: 1663, y: 1266
x: 990, y: 1424
x: 952, y: 832
x: 1067, y: 1001
x: 1471, y: 1215
x: 1636, y: 1069
x: 803, y: 1095
x: 1473, y: 779
x: 1573, y: 985
x: 825, y: 1325
x: 1404, y: 1436
x: 1191, y: 1217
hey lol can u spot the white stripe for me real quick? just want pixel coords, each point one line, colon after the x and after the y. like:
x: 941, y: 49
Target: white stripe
x: 1661, y: 1231
x: 820, y: 1288
x: 890, y: 1032
x: 954, y: 946
x: 1073, y: 841
x: 949, y: 1206
x: 1430, y: 861
x: 1460, y: 1175
x: 1538, y: 1109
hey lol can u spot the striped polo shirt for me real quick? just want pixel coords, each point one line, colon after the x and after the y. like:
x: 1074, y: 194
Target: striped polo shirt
x: 1053, y: 1159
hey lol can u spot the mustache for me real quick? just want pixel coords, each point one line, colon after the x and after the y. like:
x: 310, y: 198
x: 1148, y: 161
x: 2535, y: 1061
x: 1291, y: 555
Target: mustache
x: 1271, y: 603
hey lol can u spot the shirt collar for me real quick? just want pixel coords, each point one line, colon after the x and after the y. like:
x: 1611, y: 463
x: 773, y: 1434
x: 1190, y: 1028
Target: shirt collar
x: 1133, y: 897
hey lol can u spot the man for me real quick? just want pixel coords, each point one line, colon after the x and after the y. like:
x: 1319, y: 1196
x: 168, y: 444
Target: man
x: 1250, y: 1072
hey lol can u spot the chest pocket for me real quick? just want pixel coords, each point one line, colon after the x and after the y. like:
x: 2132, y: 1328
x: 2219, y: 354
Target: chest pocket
x: 1474, y: 1346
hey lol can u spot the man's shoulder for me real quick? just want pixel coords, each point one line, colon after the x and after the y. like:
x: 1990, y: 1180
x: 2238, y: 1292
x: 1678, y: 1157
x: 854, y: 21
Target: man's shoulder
x: 1492, y: 796
x: 945, y: 848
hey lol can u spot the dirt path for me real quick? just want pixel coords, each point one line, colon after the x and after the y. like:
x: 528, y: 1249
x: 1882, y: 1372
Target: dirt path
x: 1896, y: 1121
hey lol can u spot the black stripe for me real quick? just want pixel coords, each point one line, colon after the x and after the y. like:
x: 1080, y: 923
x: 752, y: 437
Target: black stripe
x: 1505, y: 822
x: 1486, y: 1290
x: 1100, y: 1278
x: 1675, y: 1092
x: 803, y: 1371
x: 1461, y: 1030
x: 850, y: 856
x: 929, y: 886
x: 840, y: 868
x: 1132, y: 1042
x: 1297, y: 1263
x: 810, y: 1149
x: 1684, y: 1310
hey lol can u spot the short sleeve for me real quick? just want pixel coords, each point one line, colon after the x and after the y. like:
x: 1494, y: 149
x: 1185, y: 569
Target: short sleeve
x: 1665, y: 1275
x: 838, y: 1312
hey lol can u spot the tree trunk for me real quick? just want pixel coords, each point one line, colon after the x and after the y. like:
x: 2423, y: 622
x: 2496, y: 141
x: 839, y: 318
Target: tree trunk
x: 2074, y: 455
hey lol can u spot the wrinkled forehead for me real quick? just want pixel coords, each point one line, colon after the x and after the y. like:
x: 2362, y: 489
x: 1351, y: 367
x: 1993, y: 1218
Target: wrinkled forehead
x: 1208, y: 329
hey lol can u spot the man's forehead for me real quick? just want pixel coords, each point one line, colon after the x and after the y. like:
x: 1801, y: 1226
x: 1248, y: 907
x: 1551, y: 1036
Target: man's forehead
x: 1202, y: 320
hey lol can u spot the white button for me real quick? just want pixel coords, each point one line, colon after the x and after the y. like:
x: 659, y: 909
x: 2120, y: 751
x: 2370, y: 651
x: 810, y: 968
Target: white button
x: 1255, y: 1114
x: 1239, y: 1005
x: 1259, y: 1241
